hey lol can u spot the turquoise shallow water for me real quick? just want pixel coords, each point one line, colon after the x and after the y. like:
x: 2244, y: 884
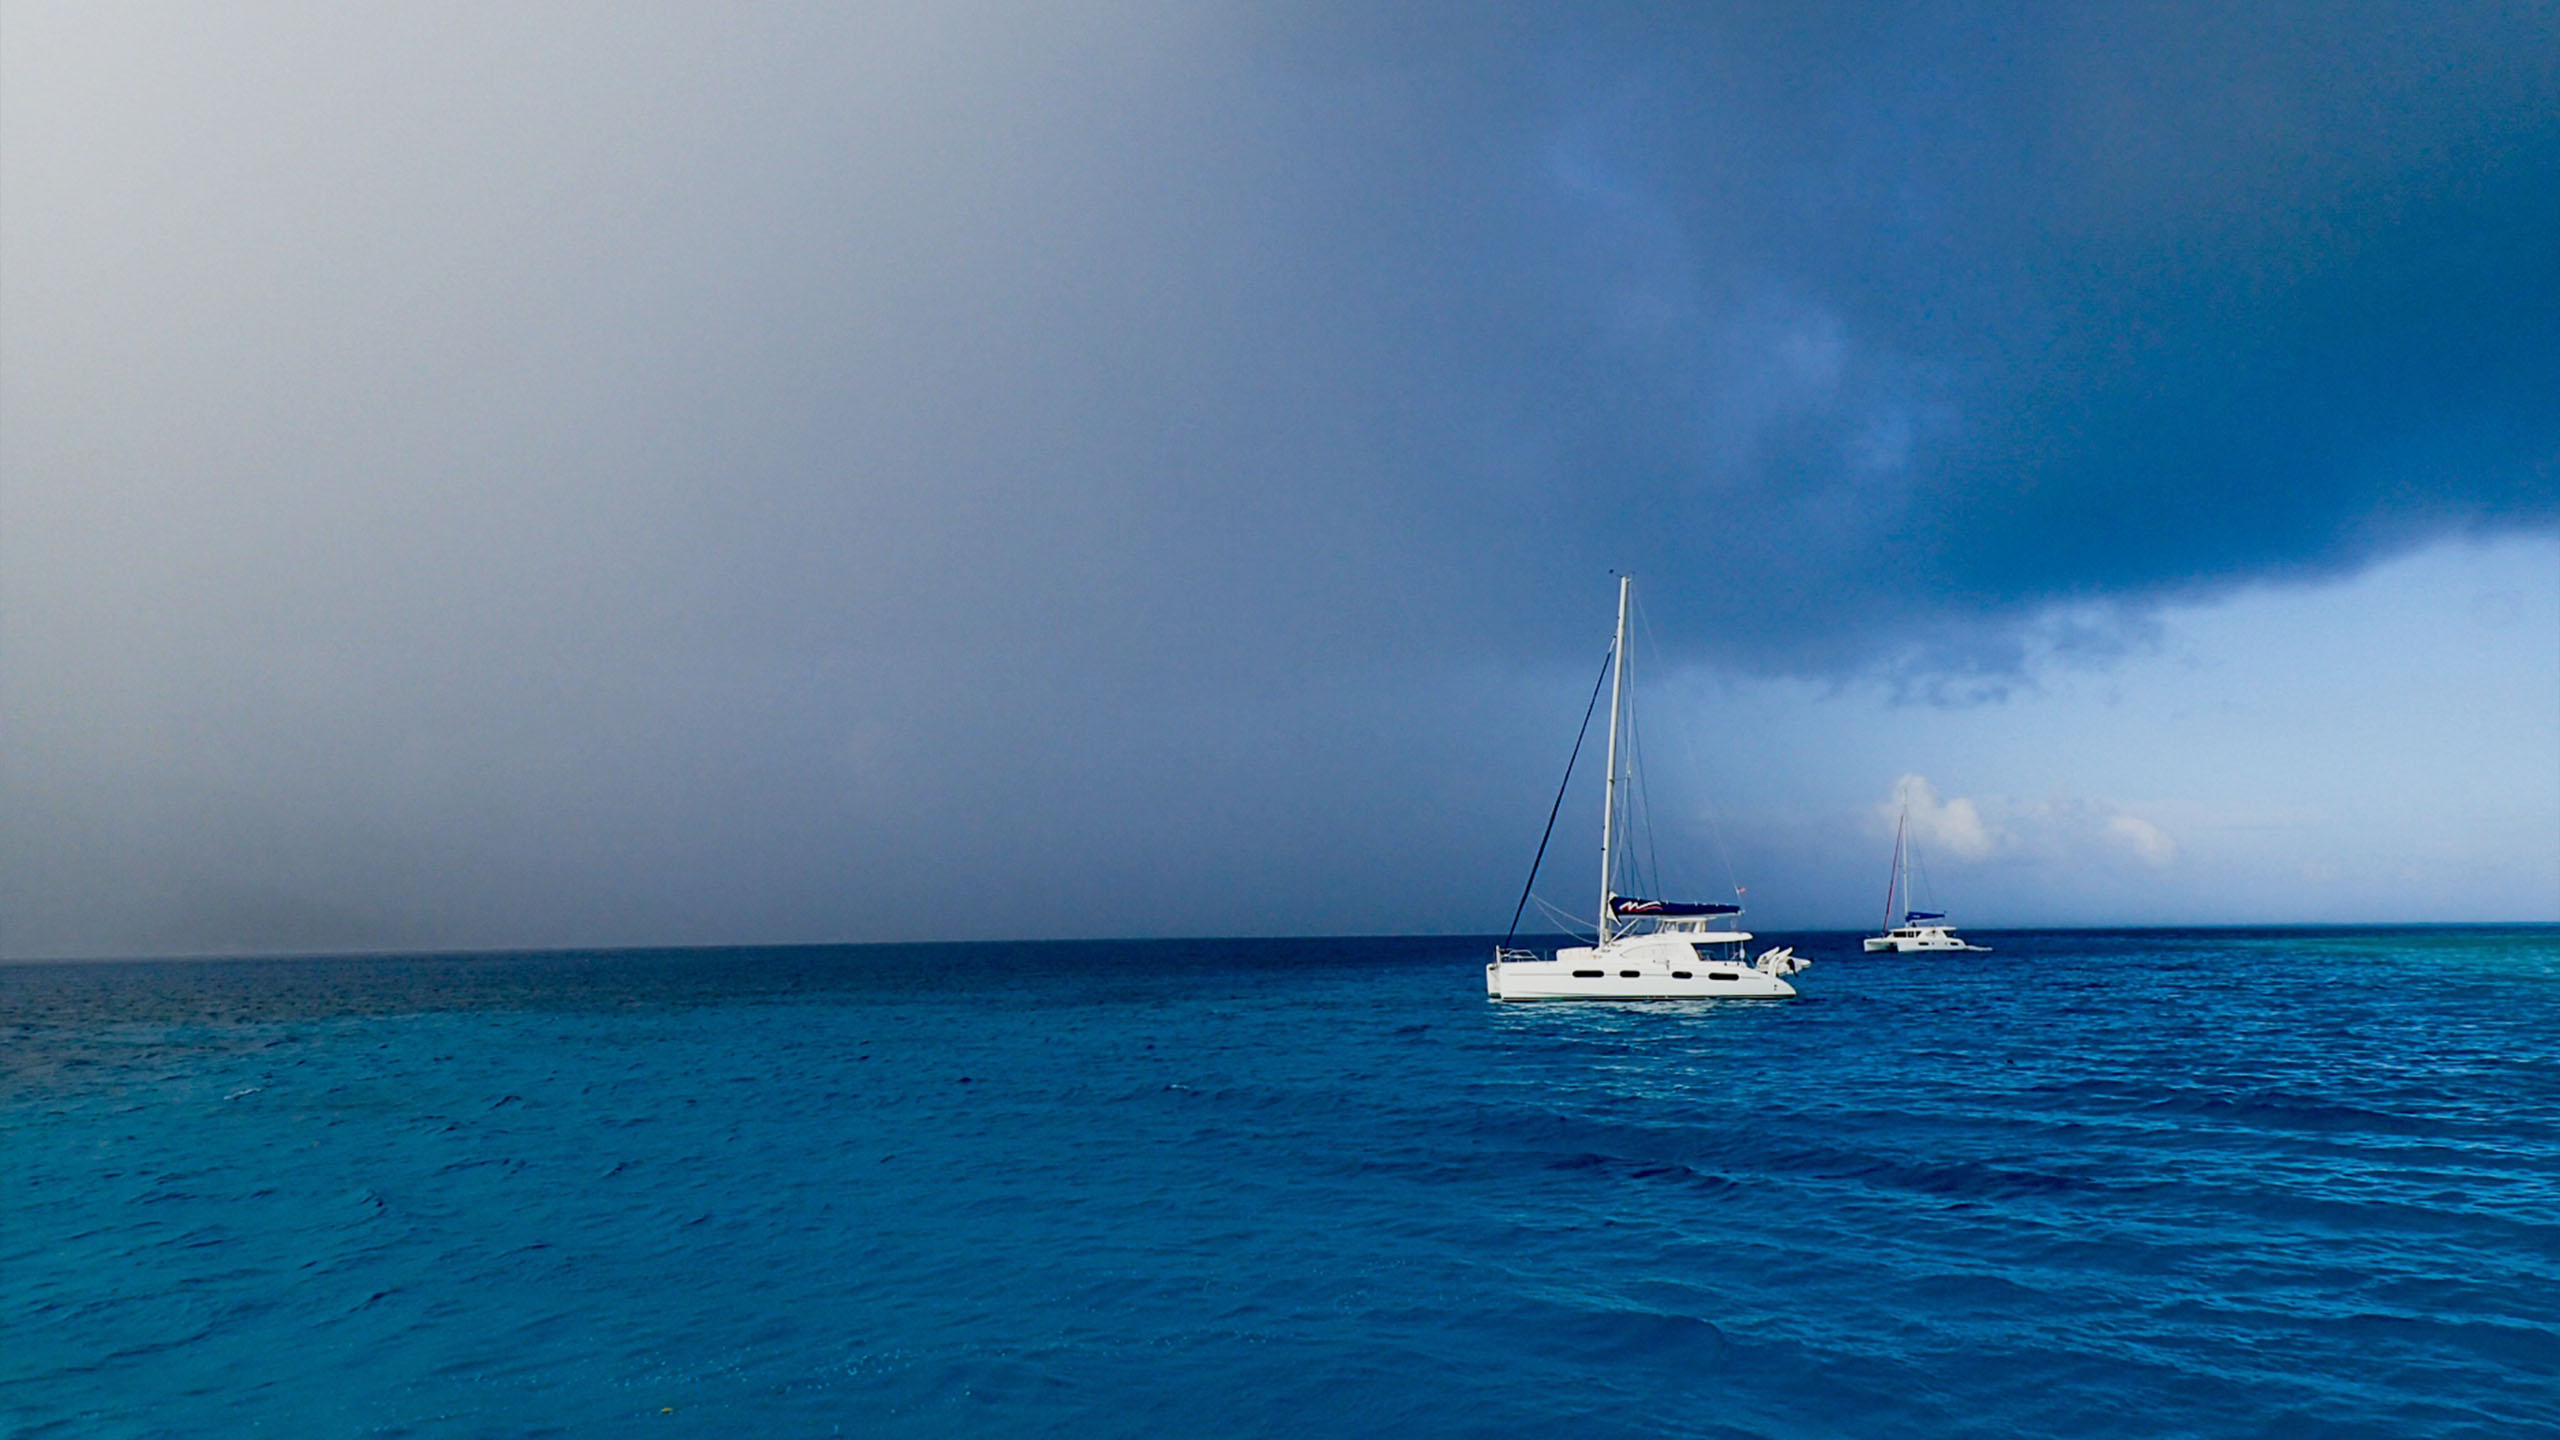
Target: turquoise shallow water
x: 2139, y: 1184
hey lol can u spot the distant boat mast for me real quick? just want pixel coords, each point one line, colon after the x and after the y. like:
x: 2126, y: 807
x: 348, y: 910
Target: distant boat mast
x: 1894, y: 877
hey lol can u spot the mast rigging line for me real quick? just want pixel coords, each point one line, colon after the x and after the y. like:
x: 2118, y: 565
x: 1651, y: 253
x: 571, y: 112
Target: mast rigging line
x: 1697, y: 769
x: 1650, y: 881
x: 1579, y: 736
x: 1566, y: 924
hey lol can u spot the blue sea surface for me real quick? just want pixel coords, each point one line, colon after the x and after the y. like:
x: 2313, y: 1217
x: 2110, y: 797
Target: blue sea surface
x: 2236, y: 1183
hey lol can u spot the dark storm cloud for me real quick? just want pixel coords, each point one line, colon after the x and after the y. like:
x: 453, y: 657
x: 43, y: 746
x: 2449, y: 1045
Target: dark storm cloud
x: 544, y: 474
x: 1943, y: 320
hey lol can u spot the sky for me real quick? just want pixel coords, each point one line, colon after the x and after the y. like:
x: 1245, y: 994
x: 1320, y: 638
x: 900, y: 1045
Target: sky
x: 479, y: 476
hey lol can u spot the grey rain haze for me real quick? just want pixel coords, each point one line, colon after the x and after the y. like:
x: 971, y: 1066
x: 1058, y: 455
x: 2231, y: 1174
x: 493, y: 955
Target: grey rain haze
x: 487, y: 475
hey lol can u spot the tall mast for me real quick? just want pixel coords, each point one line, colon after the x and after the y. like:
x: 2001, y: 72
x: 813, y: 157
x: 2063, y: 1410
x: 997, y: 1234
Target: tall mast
x: 1894, y: 876
x: 1609, y: 792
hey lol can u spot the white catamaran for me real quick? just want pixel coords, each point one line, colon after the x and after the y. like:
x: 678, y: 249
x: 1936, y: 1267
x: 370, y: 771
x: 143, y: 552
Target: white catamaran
x: 1646, y: 949
x: 1920, y: 929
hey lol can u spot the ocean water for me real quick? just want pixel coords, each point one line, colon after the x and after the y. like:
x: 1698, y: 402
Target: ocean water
x: 2142, y: 1184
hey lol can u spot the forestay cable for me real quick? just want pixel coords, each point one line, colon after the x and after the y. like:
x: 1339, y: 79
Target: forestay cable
x: 1552, y: 810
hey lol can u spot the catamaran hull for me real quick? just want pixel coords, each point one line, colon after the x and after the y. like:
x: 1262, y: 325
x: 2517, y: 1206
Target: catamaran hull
x: 1643, y: 967
x: 1534, y: 981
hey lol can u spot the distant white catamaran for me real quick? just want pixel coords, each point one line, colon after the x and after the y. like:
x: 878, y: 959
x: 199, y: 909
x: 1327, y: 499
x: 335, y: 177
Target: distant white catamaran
x: 1646, y: 949
x: 1920, y: 929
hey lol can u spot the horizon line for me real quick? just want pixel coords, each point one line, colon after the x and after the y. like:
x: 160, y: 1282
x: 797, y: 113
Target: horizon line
x: 535, y: 951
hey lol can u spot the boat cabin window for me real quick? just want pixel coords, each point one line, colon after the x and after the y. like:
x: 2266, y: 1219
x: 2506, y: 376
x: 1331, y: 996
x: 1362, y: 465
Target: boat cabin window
x: 1630, y: 974
x: 1684, y: 975
x: 1586, y: 974
x: 1722, y: 975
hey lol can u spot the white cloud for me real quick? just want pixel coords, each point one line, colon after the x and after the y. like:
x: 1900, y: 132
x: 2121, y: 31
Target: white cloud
x: 2061, y: 829
x: 2147, y: 841
x: 1946, y: 827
